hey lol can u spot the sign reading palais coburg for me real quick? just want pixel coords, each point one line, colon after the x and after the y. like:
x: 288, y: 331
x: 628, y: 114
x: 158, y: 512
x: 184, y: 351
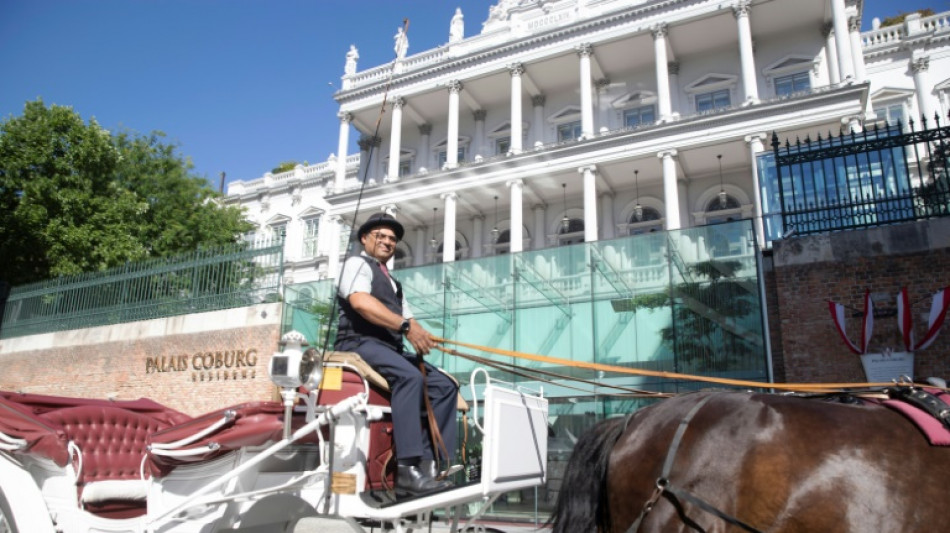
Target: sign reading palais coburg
x: 208, y: 366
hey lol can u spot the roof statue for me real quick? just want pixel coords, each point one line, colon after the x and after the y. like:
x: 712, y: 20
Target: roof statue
x: 351, y: 57
x: 457, y: 26
x: 401, y: 43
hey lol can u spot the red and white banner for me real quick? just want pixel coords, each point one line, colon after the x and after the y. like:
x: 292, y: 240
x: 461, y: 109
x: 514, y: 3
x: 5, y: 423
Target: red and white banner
x: 938, y: 312
x: 867, y: 323
x: 905, y: 320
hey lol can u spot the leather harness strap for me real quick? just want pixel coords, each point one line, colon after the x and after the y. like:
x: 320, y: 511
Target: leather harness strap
x: 438, y: 445
x: 668, y: 490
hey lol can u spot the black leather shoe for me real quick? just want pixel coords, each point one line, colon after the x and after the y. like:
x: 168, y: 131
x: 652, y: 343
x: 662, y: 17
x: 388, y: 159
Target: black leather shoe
x: 413, y: 481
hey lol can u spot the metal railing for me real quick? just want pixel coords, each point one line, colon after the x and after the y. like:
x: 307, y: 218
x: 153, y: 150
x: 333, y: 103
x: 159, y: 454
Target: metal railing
x: 882, y: 175
x: 205, y: 280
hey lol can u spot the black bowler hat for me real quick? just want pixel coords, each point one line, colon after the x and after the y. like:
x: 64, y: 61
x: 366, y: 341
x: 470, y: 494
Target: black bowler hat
x: 382, y: 219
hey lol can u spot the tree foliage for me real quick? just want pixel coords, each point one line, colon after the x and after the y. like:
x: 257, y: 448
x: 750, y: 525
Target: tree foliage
x: 75, y: 198
x: 899, y: 18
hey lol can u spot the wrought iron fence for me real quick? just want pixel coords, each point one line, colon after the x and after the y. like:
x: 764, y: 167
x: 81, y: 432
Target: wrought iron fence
x: 882, y: 175
x: 205, y: 280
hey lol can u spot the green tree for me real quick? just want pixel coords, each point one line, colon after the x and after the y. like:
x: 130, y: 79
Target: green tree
x: 74, y: 198
x: 899, y: 18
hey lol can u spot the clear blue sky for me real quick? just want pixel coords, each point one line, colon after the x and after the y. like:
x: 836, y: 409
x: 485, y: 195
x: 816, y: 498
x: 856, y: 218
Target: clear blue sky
x: 240, y: 85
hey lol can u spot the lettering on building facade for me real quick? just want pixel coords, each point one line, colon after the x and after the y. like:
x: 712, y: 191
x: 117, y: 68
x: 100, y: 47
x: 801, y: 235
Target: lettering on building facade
x: 208, y: 366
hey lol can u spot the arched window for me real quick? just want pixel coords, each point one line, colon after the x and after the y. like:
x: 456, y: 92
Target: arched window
x: 573, y: 233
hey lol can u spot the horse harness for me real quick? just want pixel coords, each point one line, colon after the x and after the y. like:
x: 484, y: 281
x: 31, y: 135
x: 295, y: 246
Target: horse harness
x: 673, y: 493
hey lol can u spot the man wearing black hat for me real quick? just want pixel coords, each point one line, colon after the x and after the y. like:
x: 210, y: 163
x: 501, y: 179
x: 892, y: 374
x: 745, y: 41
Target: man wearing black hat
x: 374, y: 320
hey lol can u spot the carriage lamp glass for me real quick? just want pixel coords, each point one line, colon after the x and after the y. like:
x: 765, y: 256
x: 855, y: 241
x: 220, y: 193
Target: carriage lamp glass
x: 292, y: 367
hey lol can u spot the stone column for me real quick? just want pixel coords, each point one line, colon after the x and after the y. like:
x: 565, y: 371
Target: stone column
x: 366, y: 144
x: 840, y: 21
x: 425, y: 146
x: 516, y: 243
x: 584, y: 52
x: 538, y: 127
x: 831, y: 54
x: 921, y: 68
x: 671, y: 200
x: 419, y: 250
x: 538, y: 242
x: 673, y: 68
x: 602, y: 86
x: 756, y: 146
x: 344, y: 142
x: 395, y: 139
x: 746, y: 53
x: 590, y: 202
x: 377, y: 169
x: 452, y: 143
x: 479, y: 150
x: 517, y: 135
x: 478, y: 229
x: 857, y: 50
x: 448, y: 234
x: 333, y: 247
x: 664, y: 109
x: 608, y: 222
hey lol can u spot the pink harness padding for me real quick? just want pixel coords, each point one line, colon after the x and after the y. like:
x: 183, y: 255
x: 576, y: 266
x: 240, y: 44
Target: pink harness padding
x: 935, y: 431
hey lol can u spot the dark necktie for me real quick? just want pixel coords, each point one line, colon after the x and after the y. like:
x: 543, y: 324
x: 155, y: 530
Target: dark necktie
x: 382, y: 266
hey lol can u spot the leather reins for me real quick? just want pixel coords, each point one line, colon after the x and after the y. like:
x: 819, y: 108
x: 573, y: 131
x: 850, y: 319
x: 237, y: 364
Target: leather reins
x: 670, y: 491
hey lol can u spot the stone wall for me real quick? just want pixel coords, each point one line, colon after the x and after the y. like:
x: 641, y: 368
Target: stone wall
x: 810, y: 270
x: 194, y: 363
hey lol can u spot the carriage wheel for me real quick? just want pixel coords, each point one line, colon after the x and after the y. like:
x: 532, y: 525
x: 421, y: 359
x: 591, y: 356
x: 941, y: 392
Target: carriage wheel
x: 6, y: 516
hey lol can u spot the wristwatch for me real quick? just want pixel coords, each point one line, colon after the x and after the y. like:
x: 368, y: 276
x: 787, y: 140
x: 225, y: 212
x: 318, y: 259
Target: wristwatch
x: 404, y: 328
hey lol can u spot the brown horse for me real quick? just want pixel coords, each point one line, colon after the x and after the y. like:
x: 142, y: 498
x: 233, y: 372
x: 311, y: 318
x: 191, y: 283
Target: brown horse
x: 736, y: 461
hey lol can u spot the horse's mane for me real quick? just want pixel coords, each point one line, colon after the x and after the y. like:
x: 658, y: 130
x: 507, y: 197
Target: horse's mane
x: 581, y: 503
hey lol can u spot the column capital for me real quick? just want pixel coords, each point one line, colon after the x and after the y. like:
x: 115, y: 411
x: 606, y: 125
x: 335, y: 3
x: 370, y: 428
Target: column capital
x: 479, y: 114
x: 516, y: 69
x: 586, y: 168
x: 517, y: 182
x: 538, y: 206
x: 602, y: 83
x: 454, y: 86
x: 742, y: 8
x: 449, y: 196
x: 397, y: 101
x: 760, y: 136
x: 920, y: 64
x: 365, y: 143
x: 673, y: 68
x: 345, y: 116
x: 667, y: 153
x: 584, y: 49
x: 854, y: 24
x: 478, y: 216
x: 538, y: 100
x: 607, y: 194
x: 425, y: 129
x: 827, y: 29
x: 659, y: 30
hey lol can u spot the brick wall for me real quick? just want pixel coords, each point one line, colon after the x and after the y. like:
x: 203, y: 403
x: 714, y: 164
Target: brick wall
x: 810, y: 270
x: 197, y: 364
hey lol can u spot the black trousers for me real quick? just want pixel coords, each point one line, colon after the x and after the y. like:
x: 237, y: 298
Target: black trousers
x: 410, y: 427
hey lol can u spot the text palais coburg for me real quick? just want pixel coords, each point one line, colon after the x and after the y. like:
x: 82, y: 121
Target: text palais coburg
x: 207, y: 366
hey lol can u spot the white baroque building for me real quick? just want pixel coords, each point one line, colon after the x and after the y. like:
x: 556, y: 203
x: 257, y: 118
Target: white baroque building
x: 579, y: 120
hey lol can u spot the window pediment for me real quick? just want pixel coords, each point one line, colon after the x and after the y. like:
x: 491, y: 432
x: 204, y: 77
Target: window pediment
x: 711, y: 82
x: 566, y: 114
x: 463, y: 141
x: 891, y: 95
x: 790, y: 64
x: 277, y: 220
x: 634, y: 99
x: 504, y: 129
x: 310, y: 212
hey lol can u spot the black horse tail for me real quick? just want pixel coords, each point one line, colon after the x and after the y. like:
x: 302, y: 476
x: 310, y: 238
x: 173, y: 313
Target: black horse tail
x: 582, y: 501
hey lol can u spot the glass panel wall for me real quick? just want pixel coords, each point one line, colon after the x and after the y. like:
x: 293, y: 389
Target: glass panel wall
x: 683, y: 301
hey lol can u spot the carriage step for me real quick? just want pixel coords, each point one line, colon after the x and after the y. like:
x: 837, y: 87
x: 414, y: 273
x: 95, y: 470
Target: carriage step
x: 327, y: 524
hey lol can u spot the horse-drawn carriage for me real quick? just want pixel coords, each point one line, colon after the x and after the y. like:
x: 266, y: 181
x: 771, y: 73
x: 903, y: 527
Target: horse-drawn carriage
x: 318, y: 458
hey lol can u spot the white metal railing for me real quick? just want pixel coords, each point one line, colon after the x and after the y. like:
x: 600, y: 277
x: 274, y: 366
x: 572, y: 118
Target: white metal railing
x: 882, y: 36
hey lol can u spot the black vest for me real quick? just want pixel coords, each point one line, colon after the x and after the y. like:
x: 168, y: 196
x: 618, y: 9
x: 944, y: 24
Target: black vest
x: 352, y: 325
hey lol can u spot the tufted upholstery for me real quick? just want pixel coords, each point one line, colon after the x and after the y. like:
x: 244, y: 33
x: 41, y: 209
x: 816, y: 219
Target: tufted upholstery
x: 112, y: 439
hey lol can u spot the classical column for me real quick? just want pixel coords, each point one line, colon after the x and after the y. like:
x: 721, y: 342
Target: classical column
x: 608, y: 222
x: 840, y: 21
x: 478, y: 228
x: 395, y: 139
x: 602, y: 85
x: 516, y: 145
x: 590, y: 202
x: 857, y: 50
x: 448, y: 235
x: 452, y: 143
x: 673, y: 68
x: 584, y: 52
x: 921, y: 69
x: 537, y: 101
x: 344, y: 142
x: 419, y: 250
x: 662, y: 74
x: 366, y: 144
x: 479, y: 141
x: 756, y: 146
x: 831, y: 54
x: 671, y: 202
x: 425, y: 146
x: 333, y: 247
x: 746, y: 54
x: 516, y: 243
x: 377, y: 170
x: 539, y: 210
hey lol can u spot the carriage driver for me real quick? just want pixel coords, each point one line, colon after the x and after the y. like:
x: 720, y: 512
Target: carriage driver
x: 374, y: 320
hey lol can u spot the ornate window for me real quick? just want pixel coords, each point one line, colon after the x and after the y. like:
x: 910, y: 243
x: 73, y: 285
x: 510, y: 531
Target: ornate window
x: 639, y: 116
x: 311, y: 231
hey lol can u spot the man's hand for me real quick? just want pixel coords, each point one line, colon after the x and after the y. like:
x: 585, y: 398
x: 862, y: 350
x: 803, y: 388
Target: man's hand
x: 419, y: 338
